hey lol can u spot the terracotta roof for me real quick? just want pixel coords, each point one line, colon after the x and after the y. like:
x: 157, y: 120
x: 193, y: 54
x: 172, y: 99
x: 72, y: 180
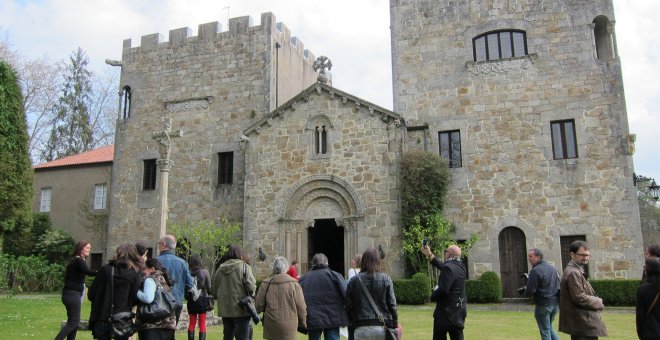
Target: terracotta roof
x: 100, y: 155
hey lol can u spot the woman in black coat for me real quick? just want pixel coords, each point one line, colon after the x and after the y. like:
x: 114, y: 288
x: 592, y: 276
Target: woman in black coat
x: 648, y: 313
x: 125, y: 268
x: 74, y: 288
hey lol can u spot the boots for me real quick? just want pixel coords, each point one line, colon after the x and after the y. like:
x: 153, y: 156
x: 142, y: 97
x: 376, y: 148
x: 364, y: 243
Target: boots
x: 202, y: 336
x: 191, y: 335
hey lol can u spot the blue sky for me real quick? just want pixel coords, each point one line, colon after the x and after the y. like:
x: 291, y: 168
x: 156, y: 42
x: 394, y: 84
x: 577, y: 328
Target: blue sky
x: 353, y: 34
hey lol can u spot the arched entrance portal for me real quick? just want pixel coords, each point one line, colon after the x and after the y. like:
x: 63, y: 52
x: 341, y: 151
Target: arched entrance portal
x: 513, y: 260
x: 321, y: 213
x: 327, y: 238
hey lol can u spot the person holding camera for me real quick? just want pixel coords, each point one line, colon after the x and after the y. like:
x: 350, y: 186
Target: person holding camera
x: 543, y: 286
x: 281, y: 299
x: 449, y: 295
x: 236, y: 287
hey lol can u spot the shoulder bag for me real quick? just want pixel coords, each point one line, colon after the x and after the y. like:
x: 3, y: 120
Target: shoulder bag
x: 160, y: 308
x: 390, y: 333
x: 121, y: 323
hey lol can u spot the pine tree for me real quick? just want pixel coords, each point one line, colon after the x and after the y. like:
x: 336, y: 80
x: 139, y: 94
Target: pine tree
x: 72, y: 131
x: 15, y: 168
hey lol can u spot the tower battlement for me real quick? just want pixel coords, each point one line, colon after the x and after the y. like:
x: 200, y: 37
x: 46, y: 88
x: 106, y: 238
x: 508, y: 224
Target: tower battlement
x: 212, y: 31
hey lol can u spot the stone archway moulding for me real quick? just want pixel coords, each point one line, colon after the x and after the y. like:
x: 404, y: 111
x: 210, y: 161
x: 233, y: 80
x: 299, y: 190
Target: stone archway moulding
x: 318, y: 197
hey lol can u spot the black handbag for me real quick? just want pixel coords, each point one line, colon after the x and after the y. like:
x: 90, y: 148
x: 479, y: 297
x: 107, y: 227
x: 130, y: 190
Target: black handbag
x: 121, y: 323
x: 160, y: 308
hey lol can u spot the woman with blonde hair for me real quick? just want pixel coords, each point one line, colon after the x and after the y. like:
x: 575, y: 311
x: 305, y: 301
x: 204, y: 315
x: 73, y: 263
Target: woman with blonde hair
x: 355, y: 266
x: 281, y: 300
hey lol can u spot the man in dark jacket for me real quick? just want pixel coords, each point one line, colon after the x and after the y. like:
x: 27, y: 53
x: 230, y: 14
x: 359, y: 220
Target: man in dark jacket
x: 543, y: 285
x: 449, y: 295
x: 324, y: 292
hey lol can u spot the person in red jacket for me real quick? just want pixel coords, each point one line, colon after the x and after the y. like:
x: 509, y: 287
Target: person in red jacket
x: 292, y: 270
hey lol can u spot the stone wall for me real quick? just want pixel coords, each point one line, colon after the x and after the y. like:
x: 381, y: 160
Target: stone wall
x: 289, y: 186
x: 503, y: 110
x: 212, y: 86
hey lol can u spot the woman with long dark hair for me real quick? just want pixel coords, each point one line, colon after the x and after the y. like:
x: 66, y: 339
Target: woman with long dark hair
x: 365, y: 324
x: 124, y: 271
x: 155, y: 275
x: 197, y: 309
x: 74, y: 289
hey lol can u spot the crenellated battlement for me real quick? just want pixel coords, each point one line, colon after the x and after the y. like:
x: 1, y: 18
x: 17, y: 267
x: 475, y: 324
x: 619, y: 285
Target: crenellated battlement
x: 212, y: 31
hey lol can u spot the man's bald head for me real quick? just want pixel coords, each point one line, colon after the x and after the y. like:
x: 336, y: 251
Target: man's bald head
x: 454, y: 251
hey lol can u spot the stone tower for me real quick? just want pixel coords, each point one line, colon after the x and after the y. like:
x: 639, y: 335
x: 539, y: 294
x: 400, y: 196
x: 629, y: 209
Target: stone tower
x: 525, y: 99
x: 212, y: 86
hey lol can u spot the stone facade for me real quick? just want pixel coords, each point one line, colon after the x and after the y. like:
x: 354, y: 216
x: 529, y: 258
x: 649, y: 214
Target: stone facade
x: 315, y: 168
x: 503, y: 109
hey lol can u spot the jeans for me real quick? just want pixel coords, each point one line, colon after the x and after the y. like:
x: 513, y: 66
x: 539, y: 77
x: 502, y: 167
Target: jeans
x: 369, y: 333
x: 544, y: 316
x: 71, y: 300
x: 236, y: 327
x: 328, y: 334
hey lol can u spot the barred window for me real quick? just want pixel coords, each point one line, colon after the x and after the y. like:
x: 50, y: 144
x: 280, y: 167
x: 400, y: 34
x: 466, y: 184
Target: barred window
x: 499, y: 45
x: 225, y: 167
x: 450, y: 147
x: 149, y: 175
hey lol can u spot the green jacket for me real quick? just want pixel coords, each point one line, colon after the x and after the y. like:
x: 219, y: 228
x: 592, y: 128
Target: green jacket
x: 231, y: 289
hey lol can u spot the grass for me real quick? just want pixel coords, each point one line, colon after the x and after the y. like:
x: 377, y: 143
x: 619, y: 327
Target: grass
x: 39, y: 317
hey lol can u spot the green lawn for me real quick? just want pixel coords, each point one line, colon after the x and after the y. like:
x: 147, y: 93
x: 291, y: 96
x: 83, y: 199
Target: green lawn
x: 39, y: 317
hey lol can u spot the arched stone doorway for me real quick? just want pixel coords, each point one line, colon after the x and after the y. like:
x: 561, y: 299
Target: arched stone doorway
x: 513, y: 260
x: 321, y: 214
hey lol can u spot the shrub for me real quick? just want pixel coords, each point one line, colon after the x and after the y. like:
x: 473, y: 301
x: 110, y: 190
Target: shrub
x: 616, y: 292
x: 487, y: 288
x: 30, y: 274
x: 413, y: 291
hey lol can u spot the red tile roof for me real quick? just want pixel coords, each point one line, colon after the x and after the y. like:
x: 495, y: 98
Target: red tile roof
x: 100, y: 155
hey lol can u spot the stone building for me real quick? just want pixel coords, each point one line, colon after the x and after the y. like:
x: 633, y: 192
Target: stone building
x: 524, y: 99
x: 74, y: 192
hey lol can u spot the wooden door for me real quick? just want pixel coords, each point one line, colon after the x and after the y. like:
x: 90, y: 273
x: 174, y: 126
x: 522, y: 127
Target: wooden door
x: 513, y: 260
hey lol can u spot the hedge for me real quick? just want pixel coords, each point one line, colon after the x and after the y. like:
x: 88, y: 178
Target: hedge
x: 30, y: 274
x: 621, y: 292
x: 486, y: 289
x: 414, y: 291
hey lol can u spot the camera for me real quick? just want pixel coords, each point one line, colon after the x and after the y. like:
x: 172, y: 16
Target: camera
x: 246, y: 302
x: 425, y: 242
x: 521, y: 290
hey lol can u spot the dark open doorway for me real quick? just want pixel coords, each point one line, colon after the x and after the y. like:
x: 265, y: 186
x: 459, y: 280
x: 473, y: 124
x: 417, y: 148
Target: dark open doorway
x: 327, y: 238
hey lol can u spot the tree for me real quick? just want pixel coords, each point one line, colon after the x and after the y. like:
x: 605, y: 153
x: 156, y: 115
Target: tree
x: 72, y: 132
x: 40, y: 82
x: 16, y: 181
x: 205, y: 238
x: 649, y: 211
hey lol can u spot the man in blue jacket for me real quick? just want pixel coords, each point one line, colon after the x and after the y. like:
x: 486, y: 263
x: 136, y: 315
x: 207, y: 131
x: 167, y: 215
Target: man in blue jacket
x: 324, y: 292
x: 543, y: 285
x: 177, y: 270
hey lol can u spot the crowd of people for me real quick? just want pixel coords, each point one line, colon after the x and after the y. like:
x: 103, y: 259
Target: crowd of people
x: 321, y: 303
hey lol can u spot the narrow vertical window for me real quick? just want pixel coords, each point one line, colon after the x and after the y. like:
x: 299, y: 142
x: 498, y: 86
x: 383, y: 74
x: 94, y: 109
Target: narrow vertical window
x: 450, y: 147
x: 603, y: 37
x: 317, y: 141
x: 324, y: 140
x: 126, y: 102
x: 44, y: 204
x: 149, y: 175
x: 225, y: 167
x: 564, y: 142
x: 100, y: 194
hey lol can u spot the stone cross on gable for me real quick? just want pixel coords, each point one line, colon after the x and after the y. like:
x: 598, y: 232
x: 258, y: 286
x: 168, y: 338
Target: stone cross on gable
x: 322, y: 63
x: 164, y: 139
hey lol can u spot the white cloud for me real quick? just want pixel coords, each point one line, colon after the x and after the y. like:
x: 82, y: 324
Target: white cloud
x: 353, y: 34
